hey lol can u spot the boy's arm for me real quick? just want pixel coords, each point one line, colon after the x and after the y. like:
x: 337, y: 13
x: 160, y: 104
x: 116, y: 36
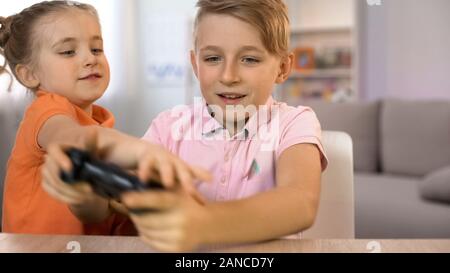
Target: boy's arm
x: 183, y: 224
x: 291, y: 207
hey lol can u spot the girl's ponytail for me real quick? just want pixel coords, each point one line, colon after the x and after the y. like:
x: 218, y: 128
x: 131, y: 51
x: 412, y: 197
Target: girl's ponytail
x: 5, y: 30
x: 5, y: 33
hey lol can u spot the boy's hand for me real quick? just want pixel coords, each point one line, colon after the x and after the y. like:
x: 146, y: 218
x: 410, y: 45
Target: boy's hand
x: 177, y: 222
x: 157, y: 163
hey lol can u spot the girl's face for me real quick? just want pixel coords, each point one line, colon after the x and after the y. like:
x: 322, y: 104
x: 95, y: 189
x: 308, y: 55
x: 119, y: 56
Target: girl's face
x: 70, y: 60
x: 234, y: 67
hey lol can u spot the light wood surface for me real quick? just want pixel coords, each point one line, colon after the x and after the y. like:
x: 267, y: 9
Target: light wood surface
x: 102, y: 244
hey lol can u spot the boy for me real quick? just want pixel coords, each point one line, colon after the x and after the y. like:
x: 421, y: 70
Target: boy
x: 266, y: 157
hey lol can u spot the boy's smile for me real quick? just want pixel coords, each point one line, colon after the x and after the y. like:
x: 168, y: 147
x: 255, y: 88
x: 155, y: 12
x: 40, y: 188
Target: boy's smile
x: 233, y: 66
x: 231, y: 98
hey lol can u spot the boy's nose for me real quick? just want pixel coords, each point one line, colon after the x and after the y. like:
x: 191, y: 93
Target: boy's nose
x: 230, y: 74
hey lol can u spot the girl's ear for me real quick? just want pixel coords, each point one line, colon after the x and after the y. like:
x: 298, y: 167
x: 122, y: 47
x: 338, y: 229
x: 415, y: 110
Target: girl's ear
x: 26, y: 76
x: 194, y: 63
x: 286, y: 65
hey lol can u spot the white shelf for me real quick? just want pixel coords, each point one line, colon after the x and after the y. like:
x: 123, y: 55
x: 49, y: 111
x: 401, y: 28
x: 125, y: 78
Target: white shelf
x: 323, y: 25
x: 322, y: 73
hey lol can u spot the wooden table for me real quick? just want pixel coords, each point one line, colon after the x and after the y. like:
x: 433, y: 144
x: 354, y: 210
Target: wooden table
x: 102, y: 244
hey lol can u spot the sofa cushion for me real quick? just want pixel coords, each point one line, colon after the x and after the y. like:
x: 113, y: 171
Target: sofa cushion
x: 360, y: 121
x: 415, y: 136
x: 389, y: 206
x: 436, y: 185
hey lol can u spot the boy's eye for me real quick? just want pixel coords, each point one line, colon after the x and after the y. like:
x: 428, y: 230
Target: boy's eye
x: 67, y: 53
x: 250, y: 60
x: 213, y: 59
x: 97, y: 51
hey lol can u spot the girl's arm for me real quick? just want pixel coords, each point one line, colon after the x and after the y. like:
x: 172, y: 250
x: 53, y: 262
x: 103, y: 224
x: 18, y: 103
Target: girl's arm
x: 122, y: 149
x: 289, y: 208
x: 126, y: 151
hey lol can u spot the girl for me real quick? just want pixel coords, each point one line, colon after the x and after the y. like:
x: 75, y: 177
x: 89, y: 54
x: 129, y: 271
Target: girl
x: 55, y: 49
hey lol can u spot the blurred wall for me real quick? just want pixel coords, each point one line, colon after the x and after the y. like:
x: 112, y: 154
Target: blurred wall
x: 405, y: 49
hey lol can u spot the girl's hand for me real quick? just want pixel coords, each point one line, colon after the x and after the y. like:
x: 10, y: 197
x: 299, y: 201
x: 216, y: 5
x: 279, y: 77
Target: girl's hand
x: 118, y: 207
x: 80, y: 197
x: 178, y: 222
x: 74, y: 195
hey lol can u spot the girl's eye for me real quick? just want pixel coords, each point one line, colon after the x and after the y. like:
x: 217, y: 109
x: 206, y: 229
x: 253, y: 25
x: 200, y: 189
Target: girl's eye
x: 67, y: 53
x: 250, y: 60
x: 213, y: 59
x: 97, y: 51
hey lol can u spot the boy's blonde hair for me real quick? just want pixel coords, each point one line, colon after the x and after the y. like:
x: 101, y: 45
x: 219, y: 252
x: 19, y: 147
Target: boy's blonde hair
x: 268, y: 16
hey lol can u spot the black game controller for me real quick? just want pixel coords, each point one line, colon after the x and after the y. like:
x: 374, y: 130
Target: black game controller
x: 107, y: 180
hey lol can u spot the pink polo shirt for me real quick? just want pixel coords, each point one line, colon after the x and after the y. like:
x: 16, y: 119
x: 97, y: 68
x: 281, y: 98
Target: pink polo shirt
x: 243, y: 165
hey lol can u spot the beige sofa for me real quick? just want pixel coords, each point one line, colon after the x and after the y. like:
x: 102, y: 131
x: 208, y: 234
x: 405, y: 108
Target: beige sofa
x: 399, y: 148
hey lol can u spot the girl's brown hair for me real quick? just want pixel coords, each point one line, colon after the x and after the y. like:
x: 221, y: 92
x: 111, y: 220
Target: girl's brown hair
x: 268, y: 16
x: 17, y: 37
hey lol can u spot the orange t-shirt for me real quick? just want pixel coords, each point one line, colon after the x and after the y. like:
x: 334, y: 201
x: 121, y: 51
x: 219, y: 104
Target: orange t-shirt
x: 27, y: 208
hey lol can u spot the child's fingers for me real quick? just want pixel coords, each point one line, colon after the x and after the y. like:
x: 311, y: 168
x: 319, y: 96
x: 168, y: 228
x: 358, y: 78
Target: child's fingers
x: 157, y: 245
x: 194, y: 173
x: 57, y: 195
x: 165, y: 240
x: 156, y: 220
x: 197, y: 196
x: 51, y: 165
x: 56, y: 152
x: 83, y: 188
x: 183, y: 174
x: 150, y: 165
x: 161, y: 235
x: 186, y: 181
x: 118, y: 207
x: 166, y: 172
x: 201, y: 174
x: 166, y: 237
x: 58, y: 192
x: 145, y: 167
x: 78, y: 191
x: 160, y: 200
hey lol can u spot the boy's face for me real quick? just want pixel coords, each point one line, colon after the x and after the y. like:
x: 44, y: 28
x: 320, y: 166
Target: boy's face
x: 234, y: 67
x: 70, y: 59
